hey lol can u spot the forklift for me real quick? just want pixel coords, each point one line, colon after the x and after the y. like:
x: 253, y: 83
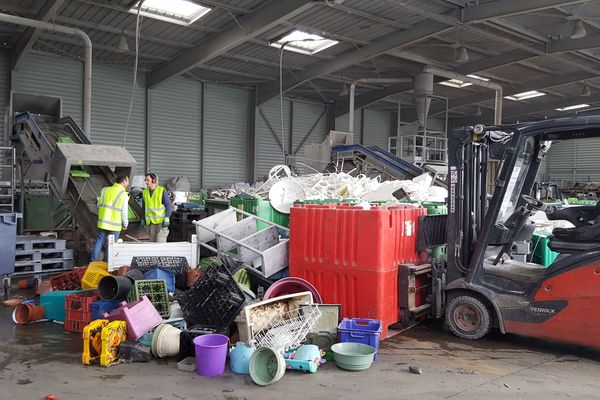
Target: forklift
x: 485, y: 281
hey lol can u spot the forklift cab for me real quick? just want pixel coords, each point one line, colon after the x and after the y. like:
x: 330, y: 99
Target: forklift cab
x: 486, y: 280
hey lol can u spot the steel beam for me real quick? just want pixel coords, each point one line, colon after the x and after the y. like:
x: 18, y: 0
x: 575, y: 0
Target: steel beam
x: 30, y: 36
x: 524, y: 110
x: 245, y: 28
x: 505, y: 8
x: 417, y: 32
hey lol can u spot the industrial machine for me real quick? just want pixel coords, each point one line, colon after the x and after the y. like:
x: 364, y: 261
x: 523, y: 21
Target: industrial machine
x: 53, y: 152
x: 485, y: 281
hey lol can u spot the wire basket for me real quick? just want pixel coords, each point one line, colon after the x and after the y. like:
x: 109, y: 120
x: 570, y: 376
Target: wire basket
x: 289, y: 329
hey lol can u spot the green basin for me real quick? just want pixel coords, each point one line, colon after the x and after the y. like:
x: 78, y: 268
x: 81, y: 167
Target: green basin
x: 353, y: 356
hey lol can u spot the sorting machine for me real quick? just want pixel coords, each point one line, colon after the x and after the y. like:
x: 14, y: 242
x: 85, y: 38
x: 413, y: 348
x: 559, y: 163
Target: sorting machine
x: 485, y: 281
x: 56, y: 151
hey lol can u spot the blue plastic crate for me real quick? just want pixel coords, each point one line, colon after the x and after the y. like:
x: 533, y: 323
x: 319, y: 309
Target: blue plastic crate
x: 160, y: 273
x: 360, y: 330
x: 54, y: 304
x: 100, y: 307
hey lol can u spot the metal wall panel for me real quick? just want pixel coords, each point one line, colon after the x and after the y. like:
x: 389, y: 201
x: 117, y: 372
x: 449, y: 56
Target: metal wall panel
x: 376, y: 128
x: 341, y: 124
x: 111, y: 95
x: 586, y: 159
x: 560, y: 162
x: 4, y: 93
x: 305, y: 117
x: 54, y: 76
x: 175, y: 122
x: 225, y: 154
x: 268, y: 151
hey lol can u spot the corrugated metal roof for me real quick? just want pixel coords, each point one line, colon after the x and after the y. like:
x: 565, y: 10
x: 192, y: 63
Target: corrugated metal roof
x: 355, y: 23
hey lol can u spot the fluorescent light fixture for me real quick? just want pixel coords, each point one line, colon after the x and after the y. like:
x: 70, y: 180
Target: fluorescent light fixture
x: 574, y: 107
x: 455, y: 83
x: 525, y: 95
x: 304, y: 42
x: 181, y: 12
x: 481, y: 78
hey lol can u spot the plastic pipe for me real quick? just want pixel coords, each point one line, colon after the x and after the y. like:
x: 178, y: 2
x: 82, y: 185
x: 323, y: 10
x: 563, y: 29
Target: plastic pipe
x: 367, y: 80
x: 87, y: 63
x: 490, y: 85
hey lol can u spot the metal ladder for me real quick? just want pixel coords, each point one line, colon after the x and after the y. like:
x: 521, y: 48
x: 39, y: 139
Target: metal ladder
x: 8, y: 167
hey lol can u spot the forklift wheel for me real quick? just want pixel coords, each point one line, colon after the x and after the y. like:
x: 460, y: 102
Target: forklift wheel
x: 468, y: 317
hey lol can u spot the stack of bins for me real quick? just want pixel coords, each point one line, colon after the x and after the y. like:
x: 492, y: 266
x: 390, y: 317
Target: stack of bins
x: 351, y: 255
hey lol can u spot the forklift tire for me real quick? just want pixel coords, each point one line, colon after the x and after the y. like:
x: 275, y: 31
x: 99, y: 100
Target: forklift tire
x: 468, y: 317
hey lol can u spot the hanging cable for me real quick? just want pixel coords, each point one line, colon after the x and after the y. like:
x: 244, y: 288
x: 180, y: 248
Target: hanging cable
x: 135, y: 69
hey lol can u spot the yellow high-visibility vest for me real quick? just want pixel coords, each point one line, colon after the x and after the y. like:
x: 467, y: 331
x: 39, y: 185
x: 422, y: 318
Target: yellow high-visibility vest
x: 110, y: 205
x: 155, y: 211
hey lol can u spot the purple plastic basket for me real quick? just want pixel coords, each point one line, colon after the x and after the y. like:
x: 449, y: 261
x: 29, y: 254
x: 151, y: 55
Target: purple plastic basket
x: 140, y: 315
x: 360, y: 330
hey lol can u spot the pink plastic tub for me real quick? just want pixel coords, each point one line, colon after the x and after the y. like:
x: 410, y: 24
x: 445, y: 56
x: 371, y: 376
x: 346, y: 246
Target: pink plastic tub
x: 140, y: 315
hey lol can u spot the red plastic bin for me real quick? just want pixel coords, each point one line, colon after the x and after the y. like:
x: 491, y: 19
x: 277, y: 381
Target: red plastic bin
x: 351, y: 255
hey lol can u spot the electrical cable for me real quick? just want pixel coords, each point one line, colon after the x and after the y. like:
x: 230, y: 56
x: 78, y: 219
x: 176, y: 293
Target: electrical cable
x: 135, y: 69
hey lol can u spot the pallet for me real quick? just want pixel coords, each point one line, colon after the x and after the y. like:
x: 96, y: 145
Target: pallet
x: 44, y: 265
x: 43, y: 254
x: 30, y: 243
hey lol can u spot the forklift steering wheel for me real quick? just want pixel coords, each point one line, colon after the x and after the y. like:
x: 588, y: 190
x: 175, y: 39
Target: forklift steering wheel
x: 535, y: 204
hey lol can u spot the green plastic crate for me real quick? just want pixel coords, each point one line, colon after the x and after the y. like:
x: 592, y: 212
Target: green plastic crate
x: 541, y: 253
x: 155, y: 290
x: 575, y: 202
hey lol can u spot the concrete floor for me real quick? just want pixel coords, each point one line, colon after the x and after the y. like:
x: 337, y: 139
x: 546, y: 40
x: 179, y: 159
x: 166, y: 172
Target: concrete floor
x: 41, y: 359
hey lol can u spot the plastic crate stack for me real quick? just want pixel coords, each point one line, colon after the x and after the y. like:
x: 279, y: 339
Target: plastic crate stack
x: 351, y: 255
x: 156, y: 291
x: 215, y: 299
x: 179, y: 265
x: 70, y: 280
x: 78, y: 310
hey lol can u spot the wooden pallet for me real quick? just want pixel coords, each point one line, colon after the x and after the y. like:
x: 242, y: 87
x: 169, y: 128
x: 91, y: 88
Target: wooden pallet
x: 30, y: 243
x: 42, y: 254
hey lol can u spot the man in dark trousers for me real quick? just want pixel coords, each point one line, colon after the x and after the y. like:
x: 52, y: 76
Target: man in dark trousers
x: 157, y: 209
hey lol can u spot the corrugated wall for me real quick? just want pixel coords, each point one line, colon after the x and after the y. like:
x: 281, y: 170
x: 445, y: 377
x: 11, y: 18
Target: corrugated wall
x: 4, y: 94
x: 268, y: 151
x: 175, y: 123
x: 54, y: 76
x: 341, y: 124
x: 376, y: 130
x: 305, y: 117
x: 225, y: 155
x: 111, y: 95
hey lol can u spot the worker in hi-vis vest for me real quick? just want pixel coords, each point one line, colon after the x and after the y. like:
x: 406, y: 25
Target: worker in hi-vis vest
x: 157, y: 209
x: 113, y: 209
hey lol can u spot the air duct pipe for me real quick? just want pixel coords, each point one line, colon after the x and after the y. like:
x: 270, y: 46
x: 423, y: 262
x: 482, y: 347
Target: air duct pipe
x: 478, y: 82
x: 367, y: 80
x: 423, y: 89
x: 87, y: 63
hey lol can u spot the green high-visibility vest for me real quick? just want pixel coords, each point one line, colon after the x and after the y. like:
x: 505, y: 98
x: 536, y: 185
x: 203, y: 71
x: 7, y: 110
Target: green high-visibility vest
x: 155, y: 211
x: 110, y: 205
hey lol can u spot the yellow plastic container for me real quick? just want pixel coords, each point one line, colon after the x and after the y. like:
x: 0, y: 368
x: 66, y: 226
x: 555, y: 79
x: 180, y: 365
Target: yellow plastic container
x: 113, y: 335
x: 92, y: 341
x: 101, y: 340
x: 96, y: 270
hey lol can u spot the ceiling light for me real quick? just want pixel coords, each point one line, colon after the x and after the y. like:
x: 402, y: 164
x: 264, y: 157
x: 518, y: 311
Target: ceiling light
x: 123, y: 46
x: 575, y: 107
x: 586, y: 90
x: 525, y: 95
x: 182, y: 12
x: 481, y: 78
x: 303, y: 42
x: 578, y: 30
x: 456, y: 83
x: 462, y: 55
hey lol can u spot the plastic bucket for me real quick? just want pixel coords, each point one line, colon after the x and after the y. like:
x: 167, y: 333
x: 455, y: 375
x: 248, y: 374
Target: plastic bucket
x: 165, y: 342
x: 114, y: 287
x: 211, y: 354
x: 292, y: 285
x: 267, y: 366
x: 25, y: 313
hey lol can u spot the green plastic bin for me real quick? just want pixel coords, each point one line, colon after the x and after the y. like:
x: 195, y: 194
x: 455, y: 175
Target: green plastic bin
x: 439, y: 253
x: 265, y: 210
x: 214, y: 206
x: 541, y: 253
